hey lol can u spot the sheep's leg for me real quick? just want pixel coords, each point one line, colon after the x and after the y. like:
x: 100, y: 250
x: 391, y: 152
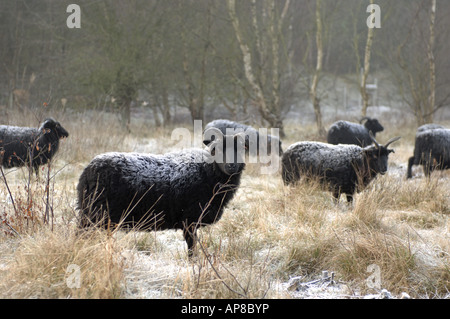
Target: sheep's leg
x: 410, y: 164
x: 336, y: 195
x: 190, y: 236
x: 290, y: 173
x: 427, y: 169
x: 349, y: 198
x: 36, y: 171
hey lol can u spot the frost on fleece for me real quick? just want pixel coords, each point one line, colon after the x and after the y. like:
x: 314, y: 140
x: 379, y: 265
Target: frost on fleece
x: 180, y: 190
x: 251, y: 134
x: 17, y: 143
x: 431, y: 149
x: 343, y: 132
x: 342, y: 168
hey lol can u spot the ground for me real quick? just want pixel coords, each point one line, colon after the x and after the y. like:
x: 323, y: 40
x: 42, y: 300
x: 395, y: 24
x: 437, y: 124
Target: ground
x: 273, y: 241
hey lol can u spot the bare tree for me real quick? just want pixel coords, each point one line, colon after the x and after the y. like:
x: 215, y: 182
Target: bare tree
x: 417, y: 81
x: 365, y: 74
x: 432, y: 65
x: 195, y: 35
x: 265, y: 92
x: 315, y: 80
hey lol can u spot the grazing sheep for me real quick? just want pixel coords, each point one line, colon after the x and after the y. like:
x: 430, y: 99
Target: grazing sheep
x: 181, y: 190
x: 343, y: 168
x: 429, y: 126
x: 431, y: 149
x: 17, y: 144
x: 252, y: 136
x: 343, y: 132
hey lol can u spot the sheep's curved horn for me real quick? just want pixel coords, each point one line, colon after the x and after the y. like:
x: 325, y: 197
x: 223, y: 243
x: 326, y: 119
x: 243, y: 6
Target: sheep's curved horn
x: 213, y: 131
x: 392, y: 140
x: 209, y: 133
x: 374, y: 140
x: 364, y: 118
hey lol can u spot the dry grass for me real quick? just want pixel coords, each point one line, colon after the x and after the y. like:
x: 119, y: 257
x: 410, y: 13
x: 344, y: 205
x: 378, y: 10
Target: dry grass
x: 268, y: 233
x: 39, y: 266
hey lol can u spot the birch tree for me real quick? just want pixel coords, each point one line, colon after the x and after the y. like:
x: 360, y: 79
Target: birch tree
x: 365, y: 74
x: 195, y: 61
x: 315, y: 80
x: 416, y: 71
x: 265, y: 85
x: 432, y: 65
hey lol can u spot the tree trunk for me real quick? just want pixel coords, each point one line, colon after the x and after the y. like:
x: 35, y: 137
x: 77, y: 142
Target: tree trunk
x: 275, y: 30
x: 432, y: 98
x: 156, y: 115
x: 167, y: 118
x: 363, y: 89
x: 315, y: 81
x: 196, y: 97
x: 126, y: 115
x: 271, y: 115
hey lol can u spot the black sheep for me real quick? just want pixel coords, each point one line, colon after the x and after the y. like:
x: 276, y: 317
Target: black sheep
x: 252, y: 136
x: 181, y: 190
x: 342, y: 168
x: 430, y: 126
x: 19, y: 144
x: 431, y: 149
x: 343, y: 132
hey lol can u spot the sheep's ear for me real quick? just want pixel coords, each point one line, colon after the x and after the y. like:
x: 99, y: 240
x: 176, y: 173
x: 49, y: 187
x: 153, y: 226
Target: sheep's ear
x: 207, y: 142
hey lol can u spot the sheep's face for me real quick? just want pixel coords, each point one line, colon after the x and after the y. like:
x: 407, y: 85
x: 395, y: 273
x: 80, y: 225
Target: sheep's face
x: 227, y: 152
x: 51, y: 126
x: 373, y: 125
x: 377, y: 158
x: 377, y: 155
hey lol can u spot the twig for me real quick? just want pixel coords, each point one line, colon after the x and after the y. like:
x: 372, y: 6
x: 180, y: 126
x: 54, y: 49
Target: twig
x: 218, y: 275
x: 221, y: 189
x: 9, y: 191
x: 10, y: 227
x: 48, y: 207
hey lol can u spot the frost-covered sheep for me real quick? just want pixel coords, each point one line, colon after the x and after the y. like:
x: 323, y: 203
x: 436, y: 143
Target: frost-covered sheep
x: 431, y: 149
x: 343, y: 132
x: 430, y: 126
x: 180, y: 190
x: 252, y: 136
x: 342, y: 168
x: 19, y: 144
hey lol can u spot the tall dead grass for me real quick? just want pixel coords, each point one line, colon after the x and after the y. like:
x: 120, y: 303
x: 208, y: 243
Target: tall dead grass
x: 40, y: 266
